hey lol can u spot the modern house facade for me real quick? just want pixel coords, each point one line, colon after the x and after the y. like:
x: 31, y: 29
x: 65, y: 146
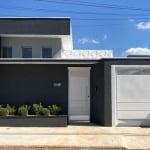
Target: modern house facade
x: 41, y: 38
x: 38, y: 64
x: 34, y: 38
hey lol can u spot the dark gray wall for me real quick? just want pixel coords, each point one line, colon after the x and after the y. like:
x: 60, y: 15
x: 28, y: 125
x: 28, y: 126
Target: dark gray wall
x: 46, y: 26
x: 107, y: 82
x: 97, y: 94
x: 0, y: 46
x: 28, y: 84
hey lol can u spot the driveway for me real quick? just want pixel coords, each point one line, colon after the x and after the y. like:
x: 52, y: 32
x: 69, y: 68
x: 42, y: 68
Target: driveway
x: 74, y: 137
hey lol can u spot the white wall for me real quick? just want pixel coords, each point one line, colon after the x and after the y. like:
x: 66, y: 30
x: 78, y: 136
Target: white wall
x: 36, y: 43
x: 67, y: 43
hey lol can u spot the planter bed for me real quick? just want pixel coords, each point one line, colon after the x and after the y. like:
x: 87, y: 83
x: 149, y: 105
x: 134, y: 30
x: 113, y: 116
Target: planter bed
x: 34, y: 121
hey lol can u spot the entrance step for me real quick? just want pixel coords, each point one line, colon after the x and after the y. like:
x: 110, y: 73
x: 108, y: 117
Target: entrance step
x: 81, y: 123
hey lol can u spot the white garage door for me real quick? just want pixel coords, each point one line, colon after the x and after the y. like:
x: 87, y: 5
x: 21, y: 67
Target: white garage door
x: 132, y: 96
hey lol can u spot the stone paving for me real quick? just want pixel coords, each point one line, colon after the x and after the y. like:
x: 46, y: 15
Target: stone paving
x: 74, y: 137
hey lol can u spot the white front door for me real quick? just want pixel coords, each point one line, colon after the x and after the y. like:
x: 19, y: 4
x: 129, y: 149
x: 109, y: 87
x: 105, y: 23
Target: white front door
x: 79, y: 93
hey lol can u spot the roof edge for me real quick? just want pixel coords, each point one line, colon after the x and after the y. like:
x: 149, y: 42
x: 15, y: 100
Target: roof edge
x: 34, y: 17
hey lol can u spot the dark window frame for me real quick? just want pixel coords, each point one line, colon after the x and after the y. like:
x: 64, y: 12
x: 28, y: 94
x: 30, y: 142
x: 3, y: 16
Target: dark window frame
x: 25, y: 54
x: 7, y: 53
x: 46, y: 54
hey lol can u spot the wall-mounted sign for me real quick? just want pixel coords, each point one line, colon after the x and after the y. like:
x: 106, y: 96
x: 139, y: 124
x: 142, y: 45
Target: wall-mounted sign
x: 56, y: 84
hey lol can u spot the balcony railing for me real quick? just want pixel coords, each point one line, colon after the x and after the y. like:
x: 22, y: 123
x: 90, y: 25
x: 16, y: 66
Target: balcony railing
x: 86, y: 54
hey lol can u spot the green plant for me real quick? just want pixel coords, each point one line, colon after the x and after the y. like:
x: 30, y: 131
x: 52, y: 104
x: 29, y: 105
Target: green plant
x: 3, y: 111
x: 54, y: 109
x: 37, y: 107
x: 11, y: 109
x: 23, y: 110
x: 44, y: 111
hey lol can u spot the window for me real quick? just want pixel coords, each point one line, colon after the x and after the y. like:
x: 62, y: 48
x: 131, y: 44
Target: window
x: 46, y: 52
x: 27, y: 52
x: 6, y: 52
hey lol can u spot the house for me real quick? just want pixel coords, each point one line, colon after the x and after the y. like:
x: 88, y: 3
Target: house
x: 38, y: 64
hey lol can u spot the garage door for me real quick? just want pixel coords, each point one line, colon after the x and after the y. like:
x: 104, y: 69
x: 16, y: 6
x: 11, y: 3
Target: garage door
x: 132, y: 96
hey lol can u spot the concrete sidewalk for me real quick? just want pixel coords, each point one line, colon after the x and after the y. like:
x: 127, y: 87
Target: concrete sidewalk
x: 74, y: 137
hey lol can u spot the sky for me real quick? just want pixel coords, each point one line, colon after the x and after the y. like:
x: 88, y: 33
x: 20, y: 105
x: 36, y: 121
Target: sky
x: 119, y: 25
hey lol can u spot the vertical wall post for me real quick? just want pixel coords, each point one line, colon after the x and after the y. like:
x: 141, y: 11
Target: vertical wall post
x: 0, y: 46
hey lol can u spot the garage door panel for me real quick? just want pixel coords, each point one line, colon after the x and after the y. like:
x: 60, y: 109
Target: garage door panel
x: 139, y: 122
x: 131, y: 95
x: 133, y: 114
x: 133, y: 88
x: 133, y: 106
x: 139, y: 100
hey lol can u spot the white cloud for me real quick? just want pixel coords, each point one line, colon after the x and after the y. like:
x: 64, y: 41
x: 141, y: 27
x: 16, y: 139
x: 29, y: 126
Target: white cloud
x: 143, y: 25
x: 131, y: 20
x: 105, y: 37
x: 137, y: 51
x: 94, y: 41
x: 87, y: 40
x: 83, y: 40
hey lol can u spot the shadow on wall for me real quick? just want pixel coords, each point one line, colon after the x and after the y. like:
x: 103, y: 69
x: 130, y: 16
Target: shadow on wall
x: 146, y: 121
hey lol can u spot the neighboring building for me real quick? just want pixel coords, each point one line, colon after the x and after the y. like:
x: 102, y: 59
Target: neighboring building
x: 38, y: 64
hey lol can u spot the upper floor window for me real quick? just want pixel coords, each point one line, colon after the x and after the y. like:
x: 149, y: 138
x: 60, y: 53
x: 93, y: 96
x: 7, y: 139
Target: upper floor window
x: 26, y: 52
x: 6, y: 52
x: 46, y: 52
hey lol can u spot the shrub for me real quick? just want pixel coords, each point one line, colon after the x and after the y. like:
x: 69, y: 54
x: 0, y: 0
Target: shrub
x: 23, y: 110
x: 11, y: 109
x: 44, y: 111
x: 54, y: 109
x: 3, y: 111
x: 37, y: 107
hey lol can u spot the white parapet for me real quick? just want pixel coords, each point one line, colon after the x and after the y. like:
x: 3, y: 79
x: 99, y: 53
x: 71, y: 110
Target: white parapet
x: 86, y: 54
